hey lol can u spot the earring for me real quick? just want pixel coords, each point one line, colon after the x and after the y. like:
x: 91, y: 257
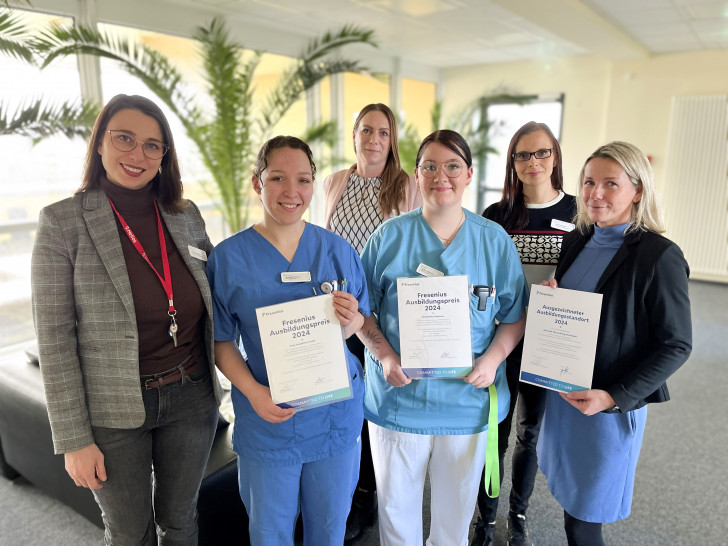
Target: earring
x: 160, y: 169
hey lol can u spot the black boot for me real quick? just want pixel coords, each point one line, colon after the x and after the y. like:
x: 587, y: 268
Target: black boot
x: 363, y: 514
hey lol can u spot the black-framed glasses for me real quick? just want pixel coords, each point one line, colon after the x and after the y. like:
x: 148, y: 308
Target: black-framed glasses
x: 125, y: 142
x: 538, y: 154
x: 452, y: 169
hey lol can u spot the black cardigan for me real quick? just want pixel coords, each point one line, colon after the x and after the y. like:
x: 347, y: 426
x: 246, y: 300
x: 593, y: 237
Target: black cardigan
x: 645, y: 331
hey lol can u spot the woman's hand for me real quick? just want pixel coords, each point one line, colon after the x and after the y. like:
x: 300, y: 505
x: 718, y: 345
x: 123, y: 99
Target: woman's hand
x: 483, y: 373
x: 507, y: 336
x: 392, y: 369
x: 346, y: 308
x: 550, y: 282
x: 262, y: 402
x: 233, y: 365
x: 86, y: 467
x: 589, y: 402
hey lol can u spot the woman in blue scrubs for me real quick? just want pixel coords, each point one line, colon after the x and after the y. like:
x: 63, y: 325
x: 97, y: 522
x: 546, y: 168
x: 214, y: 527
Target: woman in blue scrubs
x: 437, y: 426
x: 287, y: 461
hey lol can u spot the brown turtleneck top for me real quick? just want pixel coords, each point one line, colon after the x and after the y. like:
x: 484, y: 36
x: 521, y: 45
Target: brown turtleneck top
x: 157, y: 353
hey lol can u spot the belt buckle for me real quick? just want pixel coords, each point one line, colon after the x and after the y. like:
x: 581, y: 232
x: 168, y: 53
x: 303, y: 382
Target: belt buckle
x: 146, y: 383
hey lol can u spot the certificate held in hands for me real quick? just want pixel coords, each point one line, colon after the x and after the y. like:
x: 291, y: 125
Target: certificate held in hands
x: 303, y: 347
x: 434, y: 326
x: 561, y: 338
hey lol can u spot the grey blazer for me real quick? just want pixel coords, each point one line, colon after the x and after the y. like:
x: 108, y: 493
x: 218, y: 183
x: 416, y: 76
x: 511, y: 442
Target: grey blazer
x: 85, y: 319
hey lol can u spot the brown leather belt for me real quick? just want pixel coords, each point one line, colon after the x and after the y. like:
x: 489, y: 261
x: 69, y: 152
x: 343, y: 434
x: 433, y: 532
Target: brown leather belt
x: 170, y: 376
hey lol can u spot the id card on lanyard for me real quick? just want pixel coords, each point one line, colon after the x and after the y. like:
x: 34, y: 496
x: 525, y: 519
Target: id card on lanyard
x: 167, y: 279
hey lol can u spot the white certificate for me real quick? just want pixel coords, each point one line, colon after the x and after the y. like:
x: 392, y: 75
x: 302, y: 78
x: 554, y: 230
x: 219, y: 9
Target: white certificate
x: 561, y: 338
x: 303, y: 347
x: 434, y: 326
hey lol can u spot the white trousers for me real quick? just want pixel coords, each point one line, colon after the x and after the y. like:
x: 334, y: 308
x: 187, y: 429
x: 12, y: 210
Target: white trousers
x: 401, y: 462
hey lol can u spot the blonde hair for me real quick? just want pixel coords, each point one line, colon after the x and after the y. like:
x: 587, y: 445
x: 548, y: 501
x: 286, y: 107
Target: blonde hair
x: 647, y: 213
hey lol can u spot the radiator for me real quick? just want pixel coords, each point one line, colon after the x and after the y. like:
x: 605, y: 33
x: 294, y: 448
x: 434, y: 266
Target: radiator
x: 695, y: 190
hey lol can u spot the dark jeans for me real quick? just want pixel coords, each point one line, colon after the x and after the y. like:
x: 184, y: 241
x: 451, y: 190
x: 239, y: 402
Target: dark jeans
x: 154, y: 471
x: 366, y: 467
x: 531, y: 401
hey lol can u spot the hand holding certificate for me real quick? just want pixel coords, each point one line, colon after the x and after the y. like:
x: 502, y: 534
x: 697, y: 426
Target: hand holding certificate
x: 304, y: 353
x: 434, y: 326
x: 561, y: 338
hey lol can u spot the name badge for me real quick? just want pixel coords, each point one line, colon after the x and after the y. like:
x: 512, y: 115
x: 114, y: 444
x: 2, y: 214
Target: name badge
x: 563, y: 226
x: 427, y: 271
x: 197, y: 253
x: 296, y: 276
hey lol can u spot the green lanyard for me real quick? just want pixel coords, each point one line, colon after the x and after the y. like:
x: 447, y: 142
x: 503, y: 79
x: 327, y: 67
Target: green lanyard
x: 492, y: 466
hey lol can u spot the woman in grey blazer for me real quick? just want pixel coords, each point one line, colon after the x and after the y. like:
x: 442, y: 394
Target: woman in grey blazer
x: 123, y: 316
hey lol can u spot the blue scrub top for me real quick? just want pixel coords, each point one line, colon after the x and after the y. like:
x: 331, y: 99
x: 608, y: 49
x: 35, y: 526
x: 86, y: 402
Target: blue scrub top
x: 245, y: 273
x: 484, y: 252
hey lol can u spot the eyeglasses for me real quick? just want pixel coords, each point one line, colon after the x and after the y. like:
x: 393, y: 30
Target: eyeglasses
x: 124, y: 142
x: 451, y: 169
x: 538, y: 154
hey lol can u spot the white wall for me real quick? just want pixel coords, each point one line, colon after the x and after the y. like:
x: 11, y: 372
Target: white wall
x: 605, y: 101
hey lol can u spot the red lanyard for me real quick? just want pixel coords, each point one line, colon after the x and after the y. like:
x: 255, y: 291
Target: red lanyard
x: 167, y: 279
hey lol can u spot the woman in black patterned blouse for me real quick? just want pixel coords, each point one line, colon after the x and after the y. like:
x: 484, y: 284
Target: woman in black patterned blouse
x: 536, y: 213
x: 356, y: 202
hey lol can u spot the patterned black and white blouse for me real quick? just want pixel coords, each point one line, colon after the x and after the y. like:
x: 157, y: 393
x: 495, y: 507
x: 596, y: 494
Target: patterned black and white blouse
x: 357, y: 214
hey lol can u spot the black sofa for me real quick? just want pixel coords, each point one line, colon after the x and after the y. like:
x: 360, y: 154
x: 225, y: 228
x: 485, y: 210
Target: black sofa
x: 26, y: 449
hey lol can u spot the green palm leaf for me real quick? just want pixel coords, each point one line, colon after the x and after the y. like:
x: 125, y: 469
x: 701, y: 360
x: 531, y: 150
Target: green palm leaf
x: 150, y: 66
x: 226, y: 136
x: 312, y: 67
x: 325, y: 132
x: 38, y: 120
x: 13, y: 36
x: 223, y: 133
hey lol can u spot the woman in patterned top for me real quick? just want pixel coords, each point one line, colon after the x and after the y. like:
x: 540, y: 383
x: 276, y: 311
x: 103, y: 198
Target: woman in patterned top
x: 536, y: 213
x: 356, y: 201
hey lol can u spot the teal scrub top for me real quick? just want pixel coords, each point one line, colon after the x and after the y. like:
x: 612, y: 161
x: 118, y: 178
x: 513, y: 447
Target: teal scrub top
x: 484, y: 252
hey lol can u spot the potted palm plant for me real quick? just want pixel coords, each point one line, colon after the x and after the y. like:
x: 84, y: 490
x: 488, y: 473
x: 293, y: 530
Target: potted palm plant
x: 226, y: 133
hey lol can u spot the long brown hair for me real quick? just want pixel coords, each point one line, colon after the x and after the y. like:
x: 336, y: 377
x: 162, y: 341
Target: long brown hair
x: 166, y: 185
x: 511, y: 210
x: 394, y: 178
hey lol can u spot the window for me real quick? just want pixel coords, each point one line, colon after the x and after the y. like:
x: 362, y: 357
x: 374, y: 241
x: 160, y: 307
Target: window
x: 418, y: 100
x: 33, y: 176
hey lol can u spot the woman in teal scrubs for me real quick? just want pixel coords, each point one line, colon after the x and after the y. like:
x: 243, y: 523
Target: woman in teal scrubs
x: 437, y: 426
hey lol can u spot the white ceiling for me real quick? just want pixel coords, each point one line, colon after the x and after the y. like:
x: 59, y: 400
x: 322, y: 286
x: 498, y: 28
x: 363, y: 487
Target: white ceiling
x: 445, y: 33
x: 428, y: 35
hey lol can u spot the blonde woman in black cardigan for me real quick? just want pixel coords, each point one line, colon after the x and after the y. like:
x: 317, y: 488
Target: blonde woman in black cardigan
x: 590, y: 440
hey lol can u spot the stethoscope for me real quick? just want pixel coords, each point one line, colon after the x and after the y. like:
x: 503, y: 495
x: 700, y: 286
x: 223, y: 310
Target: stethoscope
x: 327, y: 287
